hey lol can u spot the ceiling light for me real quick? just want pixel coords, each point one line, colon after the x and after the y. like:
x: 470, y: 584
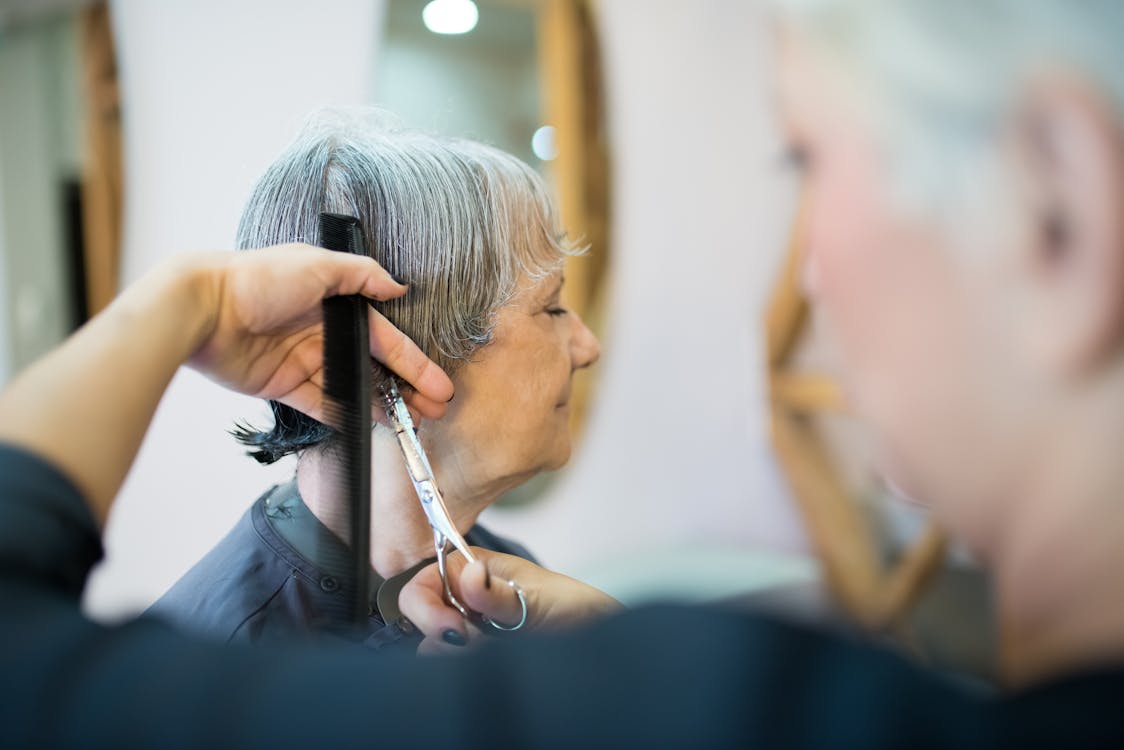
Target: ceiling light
x: 450, y: 16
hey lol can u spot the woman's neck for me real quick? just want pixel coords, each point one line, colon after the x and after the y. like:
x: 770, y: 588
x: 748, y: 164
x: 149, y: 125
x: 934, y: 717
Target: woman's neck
x: 1056, y: 563
x: 400, y: 533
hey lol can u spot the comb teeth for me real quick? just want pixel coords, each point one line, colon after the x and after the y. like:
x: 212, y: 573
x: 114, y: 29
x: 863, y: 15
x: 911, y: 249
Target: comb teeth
x: 342, y: 337
x: 347, y: 391
x: 339, y: 232
x: 345, y: 233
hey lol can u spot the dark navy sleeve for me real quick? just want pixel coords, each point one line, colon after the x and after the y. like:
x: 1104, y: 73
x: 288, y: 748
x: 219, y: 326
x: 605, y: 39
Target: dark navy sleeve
x: 658, y: 677
x: 47, y: 533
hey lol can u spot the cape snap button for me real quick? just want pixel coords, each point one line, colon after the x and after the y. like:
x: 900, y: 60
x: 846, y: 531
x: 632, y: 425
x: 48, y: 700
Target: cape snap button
x: 329, y: 584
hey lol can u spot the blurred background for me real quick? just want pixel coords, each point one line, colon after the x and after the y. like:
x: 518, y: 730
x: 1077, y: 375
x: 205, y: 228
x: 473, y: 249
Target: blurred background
x: 713, y: 455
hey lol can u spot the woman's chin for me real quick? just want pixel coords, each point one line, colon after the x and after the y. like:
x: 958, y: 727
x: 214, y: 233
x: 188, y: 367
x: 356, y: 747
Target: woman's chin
x: 560, y: 460
x: 560, y: 456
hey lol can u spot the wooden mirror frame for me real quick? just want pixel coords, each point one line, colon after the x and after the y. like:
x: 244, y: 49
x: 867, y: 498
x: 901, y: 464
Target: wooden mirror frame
x: 574, y: 103
x: 102, y: 180
x: 879, y: 597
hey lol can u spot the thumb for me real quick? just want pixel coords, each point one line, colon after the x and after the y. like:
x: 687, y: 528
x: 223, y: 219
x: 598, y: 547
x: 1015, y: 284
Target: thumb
x: 489, y: 594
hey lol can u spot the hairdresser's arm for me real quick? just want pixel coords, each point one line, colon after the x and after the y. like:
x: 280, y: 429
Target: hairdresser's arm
x: 247, y: 320
x: 665, y: 678
x: 554, y: 601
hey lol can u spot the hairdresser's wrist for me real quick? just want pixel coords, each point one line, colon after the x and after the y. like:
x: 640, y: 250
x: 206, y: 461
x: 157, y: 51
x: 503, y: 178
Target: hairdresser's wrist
x: 183, y: 294
x: 203, y: 277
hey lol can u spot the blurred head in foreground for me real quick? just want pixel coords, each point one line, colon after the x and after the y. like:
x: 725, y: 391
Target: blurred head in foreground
x: 965, y: 241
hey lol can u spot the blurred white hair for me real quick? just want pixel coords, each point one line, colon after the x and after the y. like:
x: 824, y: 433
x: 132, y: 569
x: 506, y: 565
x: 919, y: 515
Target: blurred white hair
x: 939, y: 79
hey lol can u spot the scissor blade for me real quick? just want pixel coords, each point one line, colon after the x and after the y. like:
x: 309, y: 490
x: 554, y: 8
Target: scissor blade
x: 434, y: 506
x: 421, y: 474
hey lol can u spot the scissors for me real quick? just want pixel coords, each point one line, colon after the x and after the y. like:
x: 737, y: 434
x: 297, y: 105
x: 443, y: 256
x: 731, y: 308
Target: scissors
x: 445, y: 534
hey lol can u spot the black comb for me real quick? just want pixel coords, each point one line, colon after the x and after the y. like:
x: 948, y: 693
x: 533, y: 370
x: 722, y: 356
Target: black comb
x: 347, y: 408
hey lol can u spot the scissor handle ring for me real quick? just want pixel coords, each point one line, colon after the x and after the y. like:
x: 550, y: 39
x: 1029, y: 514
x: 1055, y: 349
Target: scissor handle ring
x: 522, y: 617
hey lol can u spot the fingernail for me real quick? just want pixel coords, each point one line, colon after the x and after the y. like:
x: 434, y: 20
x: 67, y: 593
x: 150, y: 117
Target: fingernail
x: 487, y: 578
x: 453, y: 638
x: 398, y: 279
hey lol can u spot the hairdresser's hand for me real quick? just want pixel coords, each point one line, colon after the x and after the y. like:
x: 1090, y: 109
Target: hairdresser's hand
x: 249, y: 320
x: 264, y: 335
x: 554, y: 601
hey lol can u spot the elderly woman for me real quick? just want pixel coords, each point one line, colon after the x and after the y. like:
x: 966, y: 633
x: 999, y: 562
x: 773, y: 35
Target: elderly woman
x: 474, y: 234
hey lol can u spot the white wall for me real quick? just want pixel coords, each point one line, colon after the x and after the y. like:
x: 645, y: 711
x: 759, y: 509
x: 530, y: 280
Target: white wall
x: 677, y: 453
x: 212, y: 90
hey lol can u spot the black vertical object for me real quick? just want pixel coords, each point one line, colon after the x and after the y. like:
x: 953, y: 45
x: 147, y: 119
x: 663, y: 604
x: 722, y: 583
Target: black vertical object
x: 74, y: 252
x: 347, y: 407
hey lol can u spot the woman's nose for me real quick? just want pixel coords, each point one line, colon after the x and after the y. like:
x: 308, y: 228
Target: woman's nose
x: 585, y: 349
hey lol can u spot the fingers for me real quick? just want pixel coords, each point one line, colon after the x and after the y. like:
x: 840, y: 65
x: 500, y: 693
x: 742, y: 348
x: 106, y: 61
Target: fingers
x: 345, y: 273
x: 307, y: 398
x: 403, y: 357
x: 490, y: 595
x: 421, y: 406
x: 553, y: 600
x: 268, y: 299
x: 422, y: 601
x: 440, y: 646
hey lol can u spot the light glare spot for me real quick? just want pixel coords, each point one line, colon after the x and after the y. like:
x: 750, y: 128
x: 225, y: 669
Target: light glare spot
x: 543, y: 144
x: 450, y: 16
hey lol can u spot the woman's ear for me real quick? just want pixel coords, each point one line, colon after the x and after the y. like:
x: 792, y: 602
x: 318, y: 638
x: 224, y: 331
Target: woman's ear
x: 1072, y: 154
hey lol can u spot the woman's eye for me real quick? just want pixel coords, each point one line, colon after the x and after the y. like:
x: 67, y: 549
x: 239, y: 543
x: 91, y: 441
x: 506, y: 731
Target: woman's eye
x: 557, y: 311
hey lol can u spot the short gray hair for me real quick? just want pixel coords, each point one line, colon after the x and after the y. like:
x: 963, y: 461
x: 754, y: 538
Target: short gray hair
x: 463, y: 223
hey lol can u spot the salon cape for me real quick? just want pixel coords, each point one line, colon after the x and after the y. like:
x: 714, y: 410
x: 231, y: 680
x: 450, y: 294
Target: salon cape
x: 656, y: 677
x: 272, y: 578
